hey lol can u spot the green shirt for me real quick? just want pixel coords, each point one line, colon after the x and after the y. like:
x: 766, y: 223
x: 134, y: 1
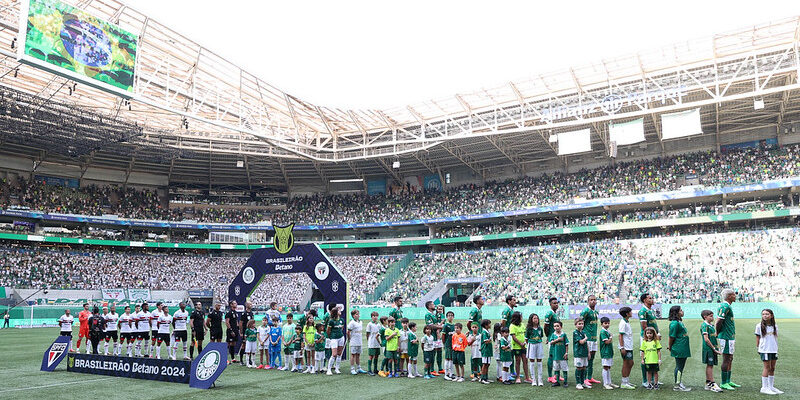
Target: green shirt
x: 413, y: 348
x: 650, y: 350
x: 518, y: 332
x: 550, y: 318
x: 298, y: 342
x: 708, y: 329
x: 475, y: 316
x: 728, y: 330
x: 506, y: 316
x: 433, y: 319
x: 382, y: 334
x: 337, y: 328
x: 505, y: 349
x: 579, y: 350
x: 447, y: 334
x: 486, y: 344
x: 680, y: 345
x: 606, y: 349
x: 590, y: 323
x: 646, y: 314
x: 534, y: 335
x: 558, y: 350
x: 391, y: 343
x: 319, y: 345
x: 397, y: 314
x: 251, y: 334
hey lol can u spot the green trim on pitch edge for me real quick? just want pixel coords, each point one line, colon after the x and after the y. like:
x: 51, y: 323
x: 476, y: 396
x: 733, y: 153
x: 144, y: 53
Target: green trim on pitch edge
x: 425, y: 242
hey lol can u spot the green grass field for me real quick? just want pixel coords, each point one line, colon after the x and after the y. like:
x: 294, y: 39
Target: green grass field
x: 22, y: 351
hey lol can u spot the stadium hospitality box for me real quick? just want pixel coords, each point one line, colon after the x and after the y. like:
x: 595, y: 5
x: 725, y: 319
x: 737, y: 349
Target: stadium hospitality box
x: 201, y: 373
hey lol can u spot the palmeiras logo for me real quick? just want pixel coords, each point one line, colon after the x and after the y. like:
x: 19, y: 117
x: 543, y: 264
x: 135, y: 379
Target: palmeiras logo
x: 283, y: 239
x: 248, y: 275
x: 208, y: 365
x: 321, y: 270
x: 55, y: 352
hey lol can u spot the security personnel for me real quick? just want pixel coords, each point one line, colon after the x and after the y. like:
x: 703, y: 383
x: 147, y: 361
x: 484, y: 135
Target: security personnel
x: 198, y: 322
x: 96, y: 327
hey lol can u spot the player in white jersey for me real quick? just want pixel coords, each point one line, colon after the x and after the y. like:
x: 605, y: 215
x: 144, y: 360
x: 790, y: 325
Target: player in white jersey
x: 142, y: 330
x: 110, y: 332
x: 154, y: 316
x: 164, y: 321
x: 126, y: 329
x: 179, y: 334
x: 65, y: 323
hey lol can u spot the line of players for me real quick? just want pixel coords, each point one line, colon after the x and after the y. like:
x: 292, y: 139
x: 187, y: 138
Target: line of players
x: 142, y: 331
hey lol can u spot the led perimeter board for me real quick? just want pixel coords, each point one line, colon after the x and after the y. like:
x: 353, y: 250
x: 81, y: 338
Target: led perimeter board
x: 67, y: 41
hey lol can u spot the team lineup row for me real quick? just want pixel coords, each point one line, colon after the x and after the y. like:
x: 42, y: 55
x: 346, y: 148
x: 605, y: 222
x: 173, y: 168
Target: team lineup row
x: 316, y: 343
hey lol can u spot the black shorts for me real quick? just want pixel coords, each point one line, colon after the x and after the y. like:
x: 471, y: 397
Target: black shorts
x: 111, y: 335
x: 216, y: 334
x: 126, y: 336
x: 143, y: 335
x: 198, y: 334
x: 651, y: 367
x: 64, y: 333
x: 164, y: 337
x: 179, y: 336
x: 154, y: 334
x: 231, y: 336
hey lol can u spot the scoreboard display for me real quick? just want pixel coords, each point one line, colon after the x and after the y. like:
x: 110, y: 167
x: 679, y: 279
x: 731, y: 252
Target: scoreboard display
x: 70, y: 42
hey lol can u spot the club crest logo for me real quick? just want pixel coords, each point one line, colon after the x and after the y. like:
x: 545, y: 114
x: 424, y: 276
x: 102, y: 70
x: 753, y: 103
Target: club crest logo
x: 71, y: 360
x: 283, y: 239
x: 56, y: 350
x: 248, y: 275
x: 208, y: 365
x: 237, y: 290
x: 321, y: 270
x: 335, y: 286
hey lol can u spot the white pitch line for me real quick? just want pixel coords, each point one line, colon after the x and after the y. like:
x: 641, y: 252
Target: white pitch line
x: 56, y: 384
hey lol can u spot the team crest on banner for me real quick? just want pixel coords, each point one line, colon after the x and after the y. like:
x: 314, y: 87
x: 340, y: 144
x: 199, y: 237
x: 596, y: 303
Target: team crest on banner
x: 55, y: 353
x: 283, y: 239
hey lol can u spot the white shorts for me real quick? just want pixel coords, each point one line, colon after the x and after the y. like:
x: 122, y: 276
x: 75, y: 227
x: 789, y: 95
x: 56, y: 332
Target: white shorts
x: 355, y: 349
x: 297, y: 354
x: 438, y: 344
x: 592, y: 345
x: 334, y: 343
x: 486, y: 360
x: 505, y: 364
x: 535, y: 351
x: 263, y: 346
x: 608, y: 362
x: 309, y: 348
x: 403, y: 347
x: 727, y: 346
x: 581, y: 362
x: 250, y: 347
x: 560, y: 365
x: 319, y: 356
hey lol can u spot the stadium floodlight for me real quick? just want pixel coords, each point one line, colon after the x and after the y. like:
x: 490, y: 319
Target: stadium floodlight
x: 346, y: 180
x: 239, y: 164
x: 758, y: 104
x: 396, y: 164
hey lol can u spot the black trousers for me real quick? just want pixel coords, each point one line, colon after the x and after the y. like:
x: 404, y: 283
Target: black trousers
x: 95, y: 339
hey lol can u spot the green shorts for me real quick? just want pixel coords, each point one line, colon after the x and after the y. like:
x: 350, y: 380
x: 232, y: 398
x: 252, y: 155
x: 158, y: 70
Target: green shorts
x: 458, y: 358
x: 428, y: 357
x: 628, y: 355
x: 374, y: 351
x: 448, y: 353
x: 287, y: 351
x: 709, y: 357
x: 391, y: 354
x: 651, y: 367
x: 768, y: 356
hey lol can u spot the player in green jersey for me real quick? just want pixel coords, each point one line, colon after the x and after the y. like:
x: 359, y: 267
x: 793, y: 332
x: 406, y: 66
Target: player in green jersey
x: 559, y: 343
x: 710, y: 349
x: 589, y: 316
x: 397, y: 312
x: 434, y: 319
x: 550, y: 318
x: 335, y: 332
x: 726, y: 329
x: 476, y: 315
x: 606, y: 352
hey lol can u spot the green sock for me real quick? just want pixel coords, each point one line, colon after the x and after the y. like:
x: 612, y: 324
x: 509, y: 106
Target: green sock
x: 724, y: 377
x: 384, y: 363
x: 565, y: 377
x: 550, y: 366
x: 644, y: 375
x: 729, y: 375
x: 590, y: 369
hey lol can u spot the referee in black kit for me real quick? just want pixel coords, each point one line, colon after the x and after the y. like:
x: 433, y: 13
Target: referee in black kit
x: 198, y: 321
x: 232, y: 332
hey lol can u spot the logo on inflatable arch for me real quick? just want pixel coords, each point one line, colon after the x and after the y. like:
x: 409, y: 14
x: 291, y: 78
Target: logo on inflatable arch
x: 248, y: 275
x: 321, y: 270
x: 283, y: 241
x: 208, y: 365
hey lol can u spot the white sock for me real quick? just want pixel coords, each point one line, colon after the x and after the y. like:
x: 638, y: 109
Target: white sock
x: 138, y: 348
x: 331, y: 363
x: 158, y: 351
x: 338, y: 361
x: 499, y: 369
x: 539, y: 368
x: 764, y: 382
x: 185, y: 346
x: 771, y: 380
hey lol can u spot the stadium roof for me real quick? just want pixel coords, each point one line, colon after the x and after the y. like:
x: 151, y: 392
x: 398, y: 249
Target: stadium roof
x: 197, y: 114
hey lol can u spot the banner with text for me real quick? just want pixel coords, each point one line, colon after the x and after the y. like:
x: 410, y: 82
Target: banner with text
x: 139, y: 294
x: 176, y: 371
x: 113, y: 294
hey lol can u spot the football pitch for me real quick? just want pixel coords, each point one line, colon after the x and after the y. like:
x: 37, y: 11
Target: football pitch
x: 22, y: 349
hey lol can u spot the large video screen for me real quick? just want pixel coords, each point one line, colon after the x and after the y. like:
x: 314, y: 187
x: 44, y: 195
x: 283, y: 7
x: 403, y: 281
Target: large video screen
x: 68, y: 41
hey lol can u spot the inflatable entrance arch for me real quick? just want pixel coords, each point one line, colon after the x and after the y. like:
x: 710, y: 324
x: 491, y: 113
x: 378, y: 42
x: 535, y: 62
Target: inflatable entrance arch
x: 299, y: 258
